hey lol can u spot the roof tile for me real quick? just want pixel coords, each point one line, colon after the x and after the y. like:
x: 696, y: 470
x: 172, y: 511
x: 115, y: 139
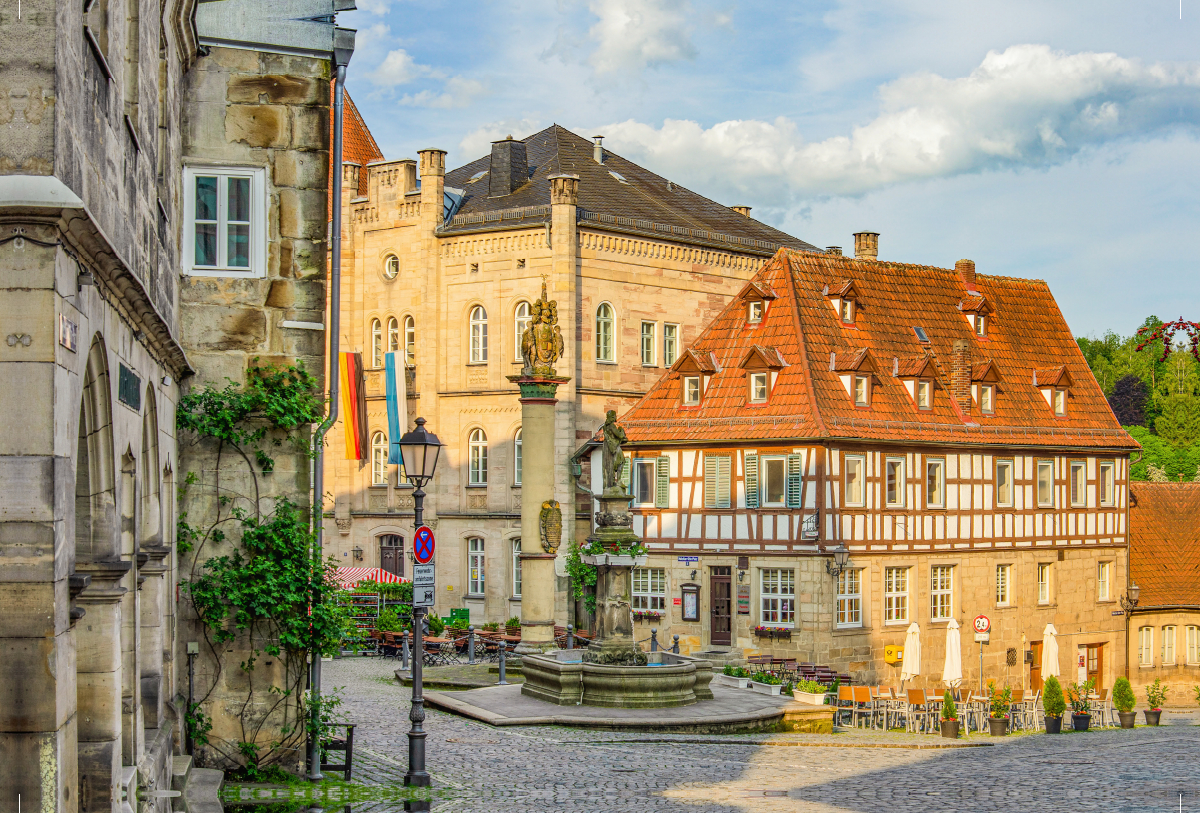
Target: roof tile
x: 1164, y: 543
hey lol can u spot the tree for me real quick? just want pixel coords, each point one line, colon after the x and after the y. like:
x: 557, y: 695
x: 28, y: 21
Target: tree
x: 1179, y: 423
x: 1128, y: 400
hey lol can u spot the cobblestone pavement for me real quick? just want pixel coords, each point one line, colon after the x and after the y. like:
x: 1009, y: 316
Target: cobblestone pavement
x: 479, y: 768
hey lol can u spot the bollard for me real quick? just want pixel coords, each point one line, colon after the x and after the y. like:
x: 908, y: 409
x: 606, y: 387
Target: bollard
x: 503, y: 650
x: 570, y: 637
x: 471, y: 643
x: 654, y: 639
x: 675, y: 648
x: 404, y: 650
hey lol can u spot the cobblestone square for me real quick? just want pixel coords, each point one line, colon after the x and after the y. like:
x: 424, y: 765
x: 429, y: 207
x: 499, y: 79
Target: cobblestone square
x: 479, y: 768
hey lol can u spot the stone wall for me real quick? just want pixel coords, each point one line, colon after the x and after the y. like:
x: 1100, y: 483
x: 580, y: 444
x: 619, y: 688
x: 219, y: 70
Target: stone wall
x: 1180, y: 674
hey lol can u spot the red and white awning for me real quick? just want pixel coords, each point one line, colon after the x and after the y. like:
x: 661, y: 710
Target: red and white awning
x: 348, y: 577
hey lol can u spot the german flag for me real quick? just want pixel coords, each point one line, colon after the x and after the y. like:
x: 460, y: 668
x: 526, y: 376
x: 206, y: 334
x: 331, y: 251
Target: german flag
x: 354, y: 405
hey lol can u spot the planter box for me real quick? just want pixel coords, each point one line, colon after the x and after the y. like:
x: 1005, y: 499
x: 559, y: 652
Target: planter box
x: 772, y: 689
x: 730, y: 681
x: 613, y: 559
x: 809, y: 698
x: 773, y: 633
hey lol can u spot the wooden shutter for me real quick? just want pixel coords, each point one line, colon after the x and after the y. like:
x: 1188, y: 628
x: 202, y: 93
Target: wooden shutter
x: 751, y: 478
x: 716, y: 481
x: 795, y: 470
x: 662, y: 482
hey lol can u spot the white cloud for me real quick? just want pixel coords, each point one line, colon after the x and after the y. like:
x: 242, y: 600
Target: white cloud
x: 1027, y: 106
x: 457, y: 92
x: 398, y: 68
x: 379, y: 7
x: 479, y: 142
x: 635, y: 34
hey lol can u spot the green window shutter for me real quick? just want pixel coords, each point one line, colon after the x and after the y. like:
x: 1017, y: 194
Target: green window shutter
x: 662, y: 482
x: 625, y: 471
x: 751, y: 480
x: 710, y: 481
x: 795, y: 469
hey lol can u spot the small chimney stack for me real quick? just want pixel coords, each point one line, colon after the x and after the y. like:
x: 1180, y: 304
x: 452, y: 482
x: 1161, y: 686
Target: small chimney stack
x: 509, y: 168
x: 866, y: 245
x: 598, y: 149
x: 966, y: 271
x: 834, y: 250
x: 960, y: 374
x: 744, y: 211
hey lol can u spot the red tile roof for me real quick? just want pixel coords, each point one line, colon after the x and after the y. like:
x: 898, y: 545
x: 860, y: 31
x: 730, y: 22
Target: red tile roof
x: 1164, y: 543
x: 809, y: 400
x: 358, y: 145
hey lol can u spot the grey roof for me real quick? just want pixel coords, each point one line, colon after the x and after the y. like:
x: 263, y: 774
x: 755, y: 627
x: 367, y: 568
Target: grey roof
x: 646, y: 202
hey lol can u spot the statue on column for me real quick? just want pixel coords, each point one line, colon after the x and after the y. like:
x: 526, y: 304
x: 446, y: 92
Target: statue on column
x: 542, y: 342
x: 614, y: 458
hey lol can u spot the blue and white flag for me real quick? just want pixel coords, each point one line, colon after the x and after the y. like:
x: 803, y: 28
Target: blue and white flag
x: 397, y: 406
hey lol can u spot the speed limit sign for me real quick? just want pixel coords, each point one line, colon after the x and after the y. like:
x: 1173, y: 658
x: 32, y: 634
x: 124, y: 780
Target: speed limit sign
x: 982, y: 624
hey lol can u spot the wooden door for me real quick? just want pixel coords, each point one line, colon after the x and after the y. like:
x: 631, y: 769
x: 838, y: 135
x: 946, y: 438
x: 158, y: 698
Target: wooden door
x: 391, y: 554
x: 1095, y: 665
x: 1035, y: 668
x: 721, y: 606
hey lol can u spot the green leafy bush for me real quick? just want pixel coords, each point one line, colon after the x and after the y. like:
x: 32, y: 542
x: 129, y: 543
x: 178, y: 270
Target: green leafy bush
x: 1053, y: 702
x: 810, y: 686
x: 1000, y: 700
x: 1122, y: 696
x: 390, y: 621
x: 769, y: 679
x: 491, y: 626
x: 734, y: 671
x: 1077, y: 694
x: 949, y: 710
x: 1156, y: 694
x: 436, y: 626
x: 513, y: 622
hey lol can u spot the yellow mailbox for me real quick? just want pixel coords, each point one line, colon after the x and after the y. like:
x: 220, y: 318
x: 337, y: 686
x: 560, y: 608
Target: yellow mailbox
x: 893, y: 655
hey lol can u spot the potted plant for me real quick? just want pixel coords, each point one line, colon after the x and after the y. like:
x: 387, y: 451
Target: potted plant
x: 809, y: 692
x: 1124, y: 700
x: 1081, y: 706
x: 513, y: 626
x: 733, y: 676
x: 949, y: 717
x: 1053, y: 704
x: 1156, y: 695
x: 1000, y: 700
x: 767, y: 683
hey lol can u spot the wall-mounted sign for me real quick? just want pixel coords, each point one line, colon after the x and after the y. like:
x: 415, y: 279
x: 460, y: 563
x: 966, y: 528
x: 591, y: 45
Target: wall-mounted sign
x: 743, y: 599
x: 688, y: 560
x: 691, y: 602
x: 68, y: 333
x: 678, y: 602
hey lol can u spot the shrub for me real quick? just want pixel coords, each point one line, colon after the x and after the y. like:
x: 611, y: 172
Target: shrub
x: 1052, y: 698
x: 769, y: 679
x: 1196, y: 689
x: 1156, y: 694
x: 812, y: 687
x: 390, y: 621
x: 1078, y: 693
x: 1123, y: 697
x: 491, y: 626
x: 436, y: 626
x: 949, y: 710
x: 513, y: 622
x: 1001, y: 699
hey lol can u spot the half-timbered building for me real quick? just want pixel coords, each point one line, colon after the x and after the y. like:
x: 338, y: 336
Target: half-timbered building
x: 941, y: 426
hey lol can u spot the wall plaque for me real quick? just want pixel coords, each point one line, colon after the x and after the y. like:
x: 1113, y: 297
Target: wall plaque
x: 743, y: 599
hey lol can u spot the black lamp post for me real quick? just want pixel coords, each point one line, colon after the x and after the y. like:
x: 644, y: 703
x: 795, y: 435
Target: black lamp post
x: 420, y: 450
x: 841, y: 558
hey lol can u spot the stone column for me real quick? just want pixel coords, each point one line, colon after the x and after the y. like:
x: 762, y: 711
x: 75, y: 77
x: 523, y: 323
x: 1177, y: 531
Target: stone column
x: 153, y: 616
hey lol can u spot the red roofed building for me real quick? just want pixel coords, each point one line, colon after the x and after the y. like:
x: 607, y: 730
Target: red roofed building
x: 941, y: 425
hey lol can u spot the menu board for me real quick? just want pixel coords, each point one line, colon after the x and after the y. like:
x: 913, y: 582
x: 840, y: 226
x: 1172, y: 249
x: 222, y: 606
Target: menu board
x: 743, y: 599
x: 691, y: 605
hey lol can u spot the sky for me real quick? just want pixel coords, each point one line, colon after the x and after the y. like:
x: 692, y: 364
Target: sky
x: 1049, y: 140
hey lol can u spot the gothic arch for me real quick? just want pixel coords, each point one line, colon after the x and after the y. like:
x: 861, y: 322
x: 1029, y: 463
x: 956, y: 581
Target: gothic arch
x: 151, y: 534
x: 95, y: 504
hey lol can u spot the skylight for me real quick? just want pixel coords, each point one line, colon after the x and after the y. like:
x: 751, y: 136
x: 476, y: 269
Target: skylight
x: 618, y: 176
x: 921, y: 335
x: 477, y: 176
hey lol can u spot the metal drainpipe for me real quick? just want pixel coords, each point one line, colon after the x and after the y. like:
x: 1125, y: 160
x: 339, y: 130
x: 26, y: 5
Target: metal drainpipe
x: 335, y: 303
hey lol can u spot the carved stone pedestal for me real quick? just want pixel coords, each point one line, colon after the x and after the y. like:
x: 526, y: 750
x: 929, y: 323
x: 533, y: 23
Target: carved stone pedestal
x: 614, y: 611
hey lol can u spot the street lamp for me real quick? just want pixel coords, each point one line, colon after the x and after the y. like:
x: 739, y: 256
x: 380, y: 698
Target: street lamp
x: 841, y: 558
x: 420, y: 450
x: 1130, y: 599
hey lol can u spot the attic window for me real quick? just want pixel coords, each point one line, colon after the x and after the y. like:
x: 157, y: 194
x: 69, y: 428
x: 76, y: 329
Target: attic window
x: 754, y: 313
x: 980, y: 324
x: 987, y: 399
x: 862, y: 390
x: 1060, y: 402
x: 922, y: 336
x: 924, y: 395
x: 758, y: 388
x: 477, y: 176
x: 691, y: 390
x: 847, y: 311
x: 618, y: 176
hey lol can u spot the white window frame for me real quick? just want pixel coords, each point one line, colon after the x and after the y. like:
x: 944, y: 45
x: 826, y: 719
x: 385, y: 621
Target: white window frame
x: 849, y: 599
x: 755, y: 312
x: 379, y: 456
x: 640, y: 464
x: 1058, y: 400
x: 670, y: 343
x: 759, y: 388
x: 391, y: 267
x: 764, y: 464
x: 1045, y: 572
x: 1145, y: 646
x: 980, y: 324
x: 691, y: 397
x: 1104, y: 581
x: 1047, y: 466
x: 924, y: 392
x: 516, y: 568
x: 606, y: 331
x: 1002, y: 501
x: 1168, y: 645
x: 393, y: 334
x: 376, y: 343
x: 1106, y: 483
x: 521, y: 320
x: 518, y: 458
x: 896, y: 464
x: 865, y: 381
x: 1193, y: 644
x: 258, y: 222
x: 941, y: 592
x: 649, y: 589
x: 476, y: 567
x: 846, y: 312
x: 477, y: 458
x: 939, y: 465
x: 895, y: 595
x: 649, y: 344
x: 860, y: 465
x: 777, y: 597
x: 410, y: 340
x: 479, y: 335
x: 1003, y: 585
x: 1077, y: 483
x: 987, y: 399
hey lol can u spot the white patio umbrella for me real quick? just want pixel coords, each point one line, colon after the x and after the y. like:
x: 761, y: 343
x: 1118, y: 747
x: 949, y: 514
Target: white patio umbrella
x: 1049, y: 652
x: 952, y: 671
x: 910, y: 667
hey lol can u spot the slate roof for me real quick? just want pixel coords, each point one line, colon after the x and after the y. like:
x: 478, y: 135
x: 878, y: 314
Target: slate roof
x: 809, y: 401
x: 1164, y: 543
x: 645, y: 202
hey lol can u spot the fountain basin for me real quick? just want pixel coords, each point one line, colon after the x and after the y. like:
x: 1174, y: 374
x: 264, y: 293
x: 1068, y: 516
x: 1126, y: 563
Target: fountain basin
x: 666, y: 680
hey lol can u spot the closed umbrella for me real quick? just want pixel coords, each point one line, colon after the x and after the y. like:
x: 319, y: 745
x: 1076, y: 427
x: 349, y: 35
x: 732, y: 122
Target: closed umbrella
x: 1049, y: 652
x: 952, y: 671
x: 910, y: 667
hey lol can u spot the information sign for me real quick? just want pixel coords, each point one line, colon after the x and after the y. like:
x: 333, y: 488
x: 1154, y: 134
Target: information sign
x: 743, y: 599
x: 424, y: 585
x: 983, y: 637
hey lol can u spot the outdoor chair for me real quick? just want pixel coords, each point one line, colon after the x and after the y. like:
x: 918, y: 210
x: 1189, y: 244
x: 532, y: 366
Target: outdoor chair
x: 1034, y: 715
x: 1102, y: 708
x: 788, y: 670
x: 845, y: 703
x: 345, y: 745
x: 759, y: 663
x: 1015, y: 711
x: 917, y: 711
x: 980, y: 708
x: 864, y: 705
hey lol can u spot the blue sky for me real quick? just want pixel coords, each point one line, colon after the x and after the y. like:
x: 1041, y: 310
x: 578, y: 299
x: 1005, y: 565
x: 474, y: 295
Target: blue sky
x: 1057, y: 141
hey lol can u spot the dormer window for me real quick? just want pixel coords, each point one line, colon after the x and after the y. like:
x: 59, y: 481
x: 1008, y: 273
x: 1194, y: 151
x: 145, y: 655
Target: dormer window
x: 754, y: 312
x: 1060, y: 402
x: 847, y: 311
x: 695, y: 371
x: 691, y: 390
x: 924, y: 395
x: 987, y: 399
x: 758, y: 388
x: 1054, y: 385
x: 980, y: 325
x: 978, y: 312
x: 862, y: 390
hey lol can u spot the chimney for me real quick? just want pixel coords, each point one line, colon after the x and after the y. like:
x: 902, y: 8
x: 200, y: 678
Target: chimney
x: 744, y: 211
x: 960, y: 374
x: 866, y: 245
x: 966, y: 271
x: 509, y: 169
x: 598, y: 150
x: 834, y: 250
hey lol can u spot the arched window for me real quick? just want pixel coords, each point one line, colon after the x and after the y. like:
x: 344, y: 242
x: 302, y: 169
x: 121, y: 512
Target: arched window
x: 391, y: 266
x: 517, y: 459
x: 410, y: 340
x: 376, y: 343
x: 477, y: 458
x: 379, y: 456
x: 393, y: 335
x: 522, y: 324
x: 604, y: 333
x: 478, y: 335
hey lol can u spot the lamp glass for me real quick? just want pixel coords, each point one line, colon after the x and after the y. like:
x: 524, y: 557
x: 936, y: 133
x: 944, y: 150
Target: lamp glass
x: 1134, y: 591
x: 841, y: 555
x: 420, y: 450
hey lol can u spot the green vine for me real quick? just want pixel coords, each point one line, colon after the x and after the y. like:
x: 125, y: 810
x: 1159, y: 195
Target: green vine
x: 582, y: 576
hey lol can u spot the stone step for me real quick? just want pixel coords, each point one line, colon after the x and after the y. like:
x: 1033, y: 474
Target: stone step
x: 181, y: 768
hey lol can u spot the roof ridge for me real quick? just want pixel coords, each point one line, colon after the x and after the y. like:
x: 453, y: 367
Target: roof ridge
x: 794, y: 294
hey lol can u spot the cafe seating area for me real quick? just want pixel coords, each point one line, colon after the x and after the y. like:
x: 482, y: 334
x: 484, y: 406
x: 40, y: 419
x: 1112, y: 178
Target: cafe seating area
x: 454, y: 645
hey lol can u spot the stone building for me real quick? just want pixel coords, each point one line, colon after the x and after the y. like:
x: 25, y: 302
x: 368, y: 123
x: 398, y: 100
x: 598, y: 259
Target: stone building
x: 940, y: 425
x: 443, y: 266
x: 99, y: 330
x: 1164, y: 627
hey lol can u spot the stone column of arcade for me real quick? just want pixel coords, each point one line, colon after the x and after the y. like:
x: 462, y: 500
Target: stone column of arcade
x: 541, y: 517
